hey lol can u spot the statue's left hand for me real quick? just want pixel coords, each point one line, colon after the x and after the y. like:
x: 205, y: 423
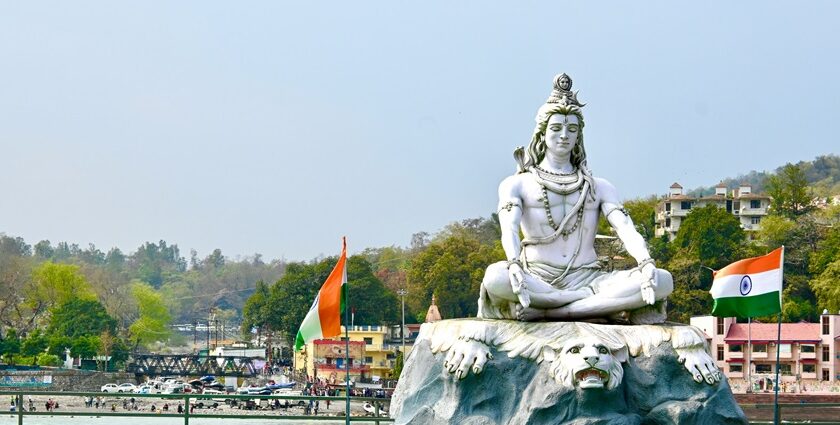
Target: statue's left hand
x: 648, y: 284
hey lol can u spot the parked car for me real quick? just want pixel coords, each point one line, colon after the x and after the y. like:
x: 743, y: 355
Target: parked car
x: 145, y: 389
x: 126, y: 388
x: 109, y: 388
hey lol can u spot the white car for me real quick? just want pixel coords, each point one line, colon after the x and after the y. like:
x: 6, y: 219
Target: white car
x: 109, y: 388
x: 126, y: 388
x: 145, y: 389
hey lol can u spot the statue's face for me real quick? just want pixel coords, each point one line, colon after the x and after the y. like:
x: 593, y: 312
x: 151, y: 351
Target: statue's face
x: 565, y: 83
x: 561, y: 134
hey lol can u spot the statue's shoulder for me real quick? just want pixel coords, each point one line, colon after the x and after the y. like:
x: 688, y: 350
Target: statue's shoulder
x: 604, y: 190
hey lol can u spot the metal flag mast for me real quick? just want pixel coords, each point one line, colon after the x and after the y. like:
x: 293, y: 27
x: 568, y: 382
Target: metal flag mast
x: 346, y: 289
x: 776, y: 415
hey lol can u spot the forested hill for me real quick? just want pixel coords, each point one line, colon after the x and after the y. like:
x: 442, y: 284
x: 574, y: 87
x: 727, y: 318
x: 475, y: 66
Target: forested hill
x: 822, y: 175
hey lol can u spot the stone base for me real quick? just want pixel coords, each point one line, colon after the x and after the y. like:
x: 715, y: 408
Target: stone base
x: 473, y: 371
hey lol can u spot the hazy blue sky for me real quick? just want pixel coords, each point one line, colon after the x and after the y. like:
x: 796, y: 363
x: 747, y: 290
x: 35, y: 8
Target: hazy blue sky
x: 278, y: 127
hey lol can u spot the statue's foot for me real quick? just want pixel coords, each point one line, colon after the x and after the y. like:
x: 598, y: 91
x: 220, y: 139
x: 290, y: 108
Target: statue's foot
x: 649, y: 315
x: 529, y: 314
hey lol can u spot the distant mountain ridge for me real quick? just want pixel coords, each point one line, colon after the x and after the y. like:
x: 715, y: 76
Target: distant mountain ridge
x: 823, y: 175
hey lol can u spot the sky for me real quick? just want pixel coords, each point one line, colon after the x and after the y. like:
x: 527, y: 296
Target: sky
x: 278, y: 127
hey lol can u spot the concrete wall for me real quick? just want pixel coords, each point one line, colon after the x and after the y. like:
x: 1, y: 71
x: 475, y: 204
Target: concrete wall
x: 64, y: 379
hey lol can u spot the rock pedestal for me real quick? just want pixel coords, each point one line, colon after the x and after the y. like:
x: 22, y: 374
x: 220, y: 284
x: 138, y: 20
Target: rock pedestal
x: 472, y: 371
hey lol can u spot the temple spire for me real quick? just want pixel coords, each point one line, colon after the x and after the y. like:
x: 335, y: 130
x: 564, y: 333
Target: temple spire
x: 433, y: 315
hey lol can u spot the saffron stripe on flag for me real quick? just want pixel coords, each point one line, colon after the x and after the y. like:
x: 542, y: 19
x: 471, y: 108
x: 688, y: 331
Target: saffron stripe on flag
x: 753, y: 265
x: 759, y: 305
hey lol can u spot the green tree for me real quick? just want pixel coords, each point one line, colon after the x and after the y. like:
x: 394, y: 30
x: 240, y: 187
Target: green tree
x: 155, y: 263
x: 451, y: 269
x: 10, y: 346
x: 711, y: 235
x: 643, y: 214
x: 56, y: 284
x: 153, y: 318
x: 34, y: 343
x: 789, y: 191
x: 827, y: 288
x: 80, y: 317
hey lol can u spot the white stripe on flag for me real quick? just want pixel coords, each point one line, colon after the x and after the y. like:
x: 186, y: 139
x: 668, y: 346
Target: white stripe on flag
x: 762, y: 283
x: 310, y: 328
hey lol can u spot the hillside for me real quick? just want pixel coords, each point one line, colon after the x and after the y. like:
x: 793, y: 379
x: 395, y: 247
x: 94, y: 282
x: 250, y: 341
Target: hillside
x: 823, y: 175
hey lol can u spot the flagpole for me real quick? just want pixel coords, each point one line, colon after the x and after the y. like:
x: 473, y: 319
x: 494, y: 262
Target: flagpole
x: 346, y: 344
x: 776, y: 413
x: 776, y: 387
x: 749, y: 356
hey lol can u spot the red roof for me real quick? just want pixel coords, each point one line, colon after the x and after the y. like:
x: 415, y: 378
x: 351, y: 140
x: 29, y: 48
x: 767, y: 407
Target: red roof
x: 767, y: 332
x: 676, y: 186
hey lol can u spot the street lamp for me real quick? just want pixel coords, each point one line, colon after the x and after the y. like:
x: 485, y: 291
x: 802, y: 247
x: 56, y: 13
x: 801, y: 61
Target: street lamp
x: 402, y: 293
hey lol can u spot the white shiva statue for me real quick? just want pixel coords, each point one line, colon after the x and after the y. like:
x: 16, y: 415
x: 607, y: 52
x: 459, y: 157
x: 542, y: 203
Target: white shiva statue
x: 553, y: 273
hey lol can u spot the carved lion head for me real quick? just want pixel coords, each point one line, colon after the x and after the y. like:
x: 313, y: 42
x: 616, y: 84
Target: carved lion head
x: 587, y: 363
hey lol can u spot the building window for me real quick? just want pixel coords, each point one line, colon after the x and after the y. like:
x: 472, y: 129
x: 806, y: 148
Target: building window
x: 369, y: 360
x: 755, y: 203
x: 667, y: 221
x: 826, y: 354
x: 685, y: 205
x: 784, y: 348
x: 720, y: 325
x: 826, y: 375
x: 809, y: 368
x: 755, y: 220
x: 759, y: 348
x: 368, y: 341
x: 735, y: 348
x: 736, y: 367
x: 808, y: 348
x: 667, y: 206
x: 390, y: 356
x: 720, y: 352
x: 763, y: 368
x: 825, y: 325
x: 784, y: 369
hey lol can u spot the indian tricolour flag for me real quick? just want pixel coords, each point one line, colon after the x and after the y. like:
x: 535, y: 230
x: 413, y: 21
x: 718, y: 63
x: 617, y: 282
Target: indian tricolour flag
x: 324, y: 317
x: 749, y: 288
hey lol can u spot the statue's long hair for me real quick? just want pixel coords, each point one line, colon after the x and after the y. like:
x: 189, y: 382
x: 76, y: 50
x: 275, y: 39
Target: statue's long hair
x: 536, y: 149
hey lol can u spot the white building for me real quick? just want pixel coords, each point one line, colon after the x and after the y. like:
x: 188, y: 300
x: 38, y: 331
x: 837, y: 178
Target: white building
x: 750, y: 208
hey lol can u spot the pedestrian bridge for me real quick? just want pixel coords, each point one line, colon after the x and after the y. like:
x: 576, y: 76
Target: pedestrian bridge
x: 194, y: 365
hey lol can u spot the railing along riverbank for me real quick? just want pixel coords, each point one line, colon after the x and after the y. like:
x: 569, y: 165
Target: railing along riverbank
x: 191, y: 409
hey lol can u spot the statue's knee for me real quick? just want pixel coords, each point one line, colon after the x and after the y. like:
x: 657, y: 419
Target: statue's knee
x: 496, y: 279
x: 664, y: 283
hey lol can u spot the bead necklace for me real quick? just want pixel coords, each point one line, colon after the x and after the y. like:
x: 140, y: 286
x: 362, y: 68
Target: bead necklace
x: 565, y: 232
x: 562, y: 184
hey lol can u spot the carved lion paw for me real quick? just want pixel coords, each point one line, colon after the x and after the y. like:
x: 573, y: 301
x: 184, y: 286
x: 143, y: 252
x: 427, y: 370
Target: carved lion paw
x: 467, y: 355
x: 701, y: 366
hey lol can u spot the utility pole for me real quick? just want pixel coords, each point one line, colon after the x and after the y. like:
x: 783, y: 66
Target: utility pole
x: 402, y: 293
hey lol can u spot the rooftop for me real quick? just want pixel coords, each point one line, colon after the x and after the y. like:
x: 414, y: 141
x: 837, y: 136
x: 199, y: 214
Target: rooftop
x: 767, y: 332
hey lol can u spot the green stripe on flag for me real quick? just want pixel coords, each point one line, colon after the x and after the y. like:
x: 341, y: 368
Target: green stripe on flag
x: 299, y: 342
x: 755, y: 306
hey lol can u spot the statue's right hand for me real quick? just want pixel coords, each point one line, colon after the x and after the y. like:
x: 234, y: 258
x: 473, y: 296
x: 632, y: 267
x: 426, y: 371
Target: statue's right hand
x: 518, y: 285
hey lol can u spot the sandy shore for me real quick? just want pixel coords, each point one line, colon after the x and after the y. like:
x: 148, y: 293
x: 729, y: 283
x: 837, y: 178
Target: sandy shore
x: 115, y: 404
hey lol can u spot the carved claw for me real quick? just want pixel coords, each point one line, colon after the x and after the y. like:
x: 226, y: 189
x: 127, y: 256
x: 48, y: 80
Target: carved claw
x: 698, y: 362
x: 467, y: 355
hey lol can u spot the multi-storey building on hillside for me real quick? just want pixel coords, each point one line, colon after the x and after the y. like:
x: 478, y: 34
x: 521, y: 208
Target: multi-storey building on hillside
x: 749, y: 207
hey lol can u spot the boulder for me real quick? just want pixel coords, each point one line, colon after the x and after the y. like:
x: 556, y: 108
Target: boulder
x: 474, y: 371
